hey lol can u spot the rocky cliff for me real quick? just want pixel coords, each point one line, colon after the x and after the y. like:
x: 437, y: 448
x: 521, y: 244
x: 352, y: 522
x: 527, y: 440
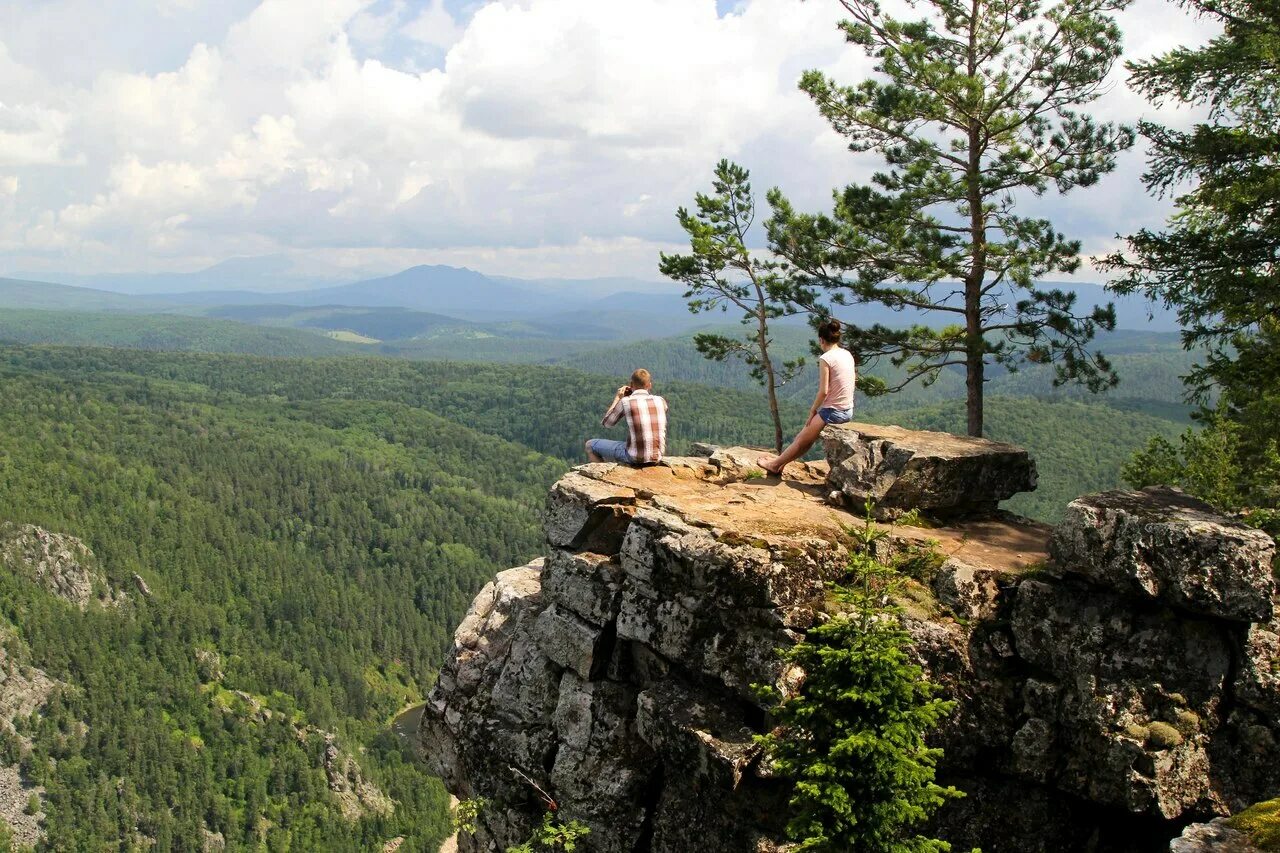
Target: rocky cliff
x: 1116, y: 678
x: 62, y: 564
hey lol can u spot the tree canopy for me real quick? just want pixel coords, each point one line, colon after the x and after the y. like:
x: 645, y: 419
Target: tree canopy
x: 975, y: 105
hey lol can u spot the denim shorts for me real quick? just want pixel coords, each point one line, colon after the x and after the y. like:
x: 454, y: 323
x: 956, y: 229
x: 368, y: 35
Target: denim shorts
x: 835, y: 416
x: 611, y: 451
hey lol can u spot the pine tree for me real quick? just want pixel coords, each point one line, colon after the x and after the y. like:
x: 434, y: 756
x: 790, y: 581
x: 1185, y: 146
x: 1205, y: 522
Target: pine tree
x: 977, y: 103
x: 721, y: 272
x: 854, y: 738
x: 1217, y: 262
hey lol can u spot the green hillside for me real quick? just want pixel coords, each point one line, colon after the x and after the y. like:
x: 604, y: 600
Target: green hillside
x: 162, y: 332
x: 320, y: 524
x: 402, y: 327
x: 549, y: 409
x: 17, y: 293
x: 1150, y: 364
x: 324, y: 549
x: 1079, y: 445
x: 501, y: 349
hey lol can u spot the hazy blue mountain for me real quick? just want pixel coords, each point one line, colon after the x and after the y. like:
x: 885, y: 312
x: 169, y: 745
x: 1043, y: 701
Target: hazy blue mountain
x: 455, y: 291
x: 594, y: 288
x: 263, y: 273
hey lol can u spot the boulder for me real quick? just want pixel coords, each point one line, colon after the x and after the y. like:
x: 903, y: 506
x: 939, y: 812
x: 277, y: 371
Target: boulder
x: 1160, y: 543
x: 935, y: 472
x: 968, y: 591
x: 572, y: 642
x: 62, y: 564
x: 1216, y: 836
x: 697, y: 731
x: 601, y: 768
x: 494, y: 698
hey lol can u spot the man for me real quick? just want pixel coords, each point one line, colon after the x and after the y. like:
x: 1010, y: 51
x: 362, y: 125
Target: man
x: 646, y: 415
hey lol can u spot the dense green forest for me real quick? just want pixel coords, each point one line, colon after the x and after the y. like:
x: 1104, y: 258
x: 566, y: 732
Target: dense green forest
x: 1150, y: 366
x: 548, y: 409
x: 321, y: 524
x: 324, y: 548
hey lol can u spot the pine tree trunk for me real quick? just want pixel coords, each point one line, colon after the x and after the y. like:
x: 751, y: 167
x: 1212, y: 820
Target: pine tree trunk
x: 975, y: 369
x: 770, y: 380
x: 975, y: 343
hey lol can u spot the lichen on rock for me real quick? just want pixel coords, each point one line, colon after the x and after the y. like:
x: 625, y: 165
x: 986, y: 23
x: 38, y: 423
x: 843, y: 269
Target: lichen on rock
x: 24, y: 690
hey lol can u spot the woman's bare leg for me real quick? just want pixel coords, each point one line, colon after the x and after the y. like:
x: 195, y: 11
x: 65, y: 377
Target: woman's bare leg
x: 798, y: 447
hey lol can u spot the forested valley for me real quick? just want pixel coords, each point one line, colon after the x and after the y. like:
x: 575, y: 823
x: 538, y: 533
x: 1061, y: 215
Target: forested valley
x: 309, y: 532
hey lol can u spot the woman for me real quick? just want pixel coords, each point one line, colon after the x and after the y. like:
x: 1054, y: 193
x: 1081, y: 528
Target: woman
x: 834, y: 403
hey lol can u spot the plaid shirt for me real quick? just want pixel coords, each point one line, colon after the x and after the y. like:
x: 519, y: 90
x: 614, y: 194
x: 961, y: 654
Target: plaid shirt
x: 646, y: 425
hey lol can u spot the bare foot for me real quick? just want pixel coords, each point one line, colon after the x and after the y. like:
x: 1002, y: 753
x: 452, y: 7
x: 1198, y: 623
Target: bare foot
x: 764, y: 461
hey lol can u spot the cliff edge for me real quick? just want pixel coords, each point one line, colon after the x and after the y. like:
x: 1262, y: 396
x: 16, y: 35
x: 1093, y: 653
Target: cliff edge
x: 1116, y: 677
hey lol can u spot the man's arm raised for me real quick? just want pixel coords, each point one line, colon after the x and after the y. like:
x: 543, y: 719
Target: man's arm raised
x: 614, y: 412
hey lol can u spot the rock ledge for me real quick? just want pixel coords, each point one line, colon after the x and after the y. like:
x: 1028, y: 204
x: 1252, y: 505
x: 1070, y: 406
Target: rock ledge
x: 935, y: 472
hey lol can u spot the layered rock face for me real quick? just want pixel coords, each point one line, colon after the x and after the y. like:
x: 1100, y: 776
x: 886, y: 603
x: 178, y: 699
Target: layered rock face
x: 1105, y: 696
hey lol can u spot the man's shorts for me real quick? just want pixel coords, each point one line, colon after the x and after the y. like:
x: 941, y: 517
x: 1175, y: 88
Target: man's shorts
x: 611, y: 451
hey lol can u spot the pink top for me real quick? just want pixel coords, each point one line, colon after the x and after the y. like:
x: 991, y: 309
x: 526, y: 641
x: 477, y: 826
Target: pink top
x: 842, y: 375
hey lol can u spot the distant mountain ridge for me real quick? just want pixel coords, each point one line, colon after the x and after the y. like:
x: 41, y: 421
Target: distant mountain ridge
x: 262, y: 273
x: 48, y: 296
x: 636, y: 308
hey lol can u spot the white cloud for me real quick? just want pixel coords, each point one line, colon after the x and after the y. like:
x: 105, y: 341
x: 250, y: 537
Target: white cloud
x: 434, y: 26
x: 30, y: 134
x: 554, y: 137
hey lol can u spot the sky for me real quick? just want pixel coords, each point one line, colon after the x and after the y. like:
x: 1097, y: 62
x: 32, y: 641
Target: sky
x: 530, y: 138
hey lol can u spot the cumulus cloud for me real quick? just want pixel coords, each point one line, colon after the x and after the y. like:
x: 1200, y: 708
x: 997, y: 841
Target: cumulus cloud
x: 434, y: 26
x: 530, y: 137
